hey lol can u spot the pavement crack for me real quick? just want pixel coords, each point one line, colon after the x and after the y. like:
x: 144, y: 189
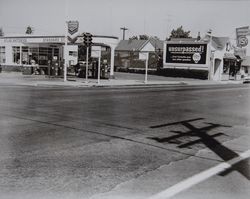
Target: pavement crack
x: 137, y: 176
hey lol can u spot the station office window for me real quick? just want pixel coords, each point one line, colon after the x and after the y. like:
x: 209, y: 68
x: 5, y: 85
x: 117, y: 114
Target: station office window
x: 25, y: 55
x: 33, y: 54
x: 2, y: 54
x: 16, y: 54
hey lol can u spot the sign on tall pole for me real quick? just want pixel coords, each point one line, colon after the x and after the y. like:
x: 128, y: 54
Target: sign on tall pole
x: 73, y: 27
x: 241, y: 36
x: 66, y: 42
x: 65, y: 53
x: 71, y: 31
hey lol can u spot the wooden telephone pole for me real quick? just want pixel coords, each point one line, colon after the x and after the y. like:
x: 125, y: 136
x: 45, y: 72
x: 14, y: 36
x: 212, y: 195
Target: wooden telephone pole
x: 124, y: 29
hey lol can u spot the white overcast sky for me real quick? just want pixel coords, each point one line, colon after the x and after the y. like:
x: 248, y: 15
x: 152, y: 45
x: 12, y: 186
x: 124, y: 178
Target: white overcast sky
x: 105, y: 17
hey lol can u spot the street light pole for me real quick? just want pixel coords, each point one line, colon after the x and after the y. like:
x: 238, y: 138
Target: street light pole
x: 123, y: 29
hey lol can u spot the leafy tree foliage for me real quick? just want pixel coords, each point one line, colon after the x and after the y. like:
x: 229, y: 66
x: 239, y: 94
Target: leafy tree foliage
x: 29, y: 30
x: 140, y: 37
x: 180, y: 33
x: 143, y: 37
x: 1, y: 32
x: 133, y: 38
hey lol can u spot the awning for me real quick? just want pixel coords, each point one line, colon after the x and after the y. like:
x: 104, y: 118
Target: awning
x: 229, y: 56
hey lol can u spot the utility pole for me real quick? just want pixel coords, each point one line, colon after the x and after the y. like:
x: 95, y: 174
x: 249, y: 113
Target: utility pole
x: 124, y: 29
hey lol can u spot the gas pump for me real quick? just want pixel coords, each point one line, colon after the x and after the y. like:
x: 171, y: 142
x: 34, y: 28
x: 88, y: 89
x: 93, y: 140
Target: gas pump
x: 54, y: 66
x: 105, y: 69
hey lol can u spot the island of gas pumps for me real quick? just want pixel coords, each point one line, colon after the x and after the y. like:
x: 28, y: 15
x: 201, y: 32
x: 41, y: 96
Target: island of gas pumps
x: 89, y: 62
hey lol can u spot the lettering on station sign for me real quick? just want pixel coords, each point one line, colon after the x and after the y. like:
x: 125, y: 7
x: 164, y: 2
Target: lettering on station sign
x: 35, y: 40
x: 15, y: 40
x: 51, y: 39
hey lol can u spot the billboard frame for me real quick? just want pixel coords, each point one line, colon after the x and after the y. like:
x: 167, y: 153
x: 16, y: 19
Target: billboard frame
x: 193, y: 66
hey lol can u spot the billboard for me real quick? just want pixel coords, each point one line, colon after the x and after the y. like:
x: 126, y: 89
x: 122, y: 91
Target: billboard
x: 186, y: 53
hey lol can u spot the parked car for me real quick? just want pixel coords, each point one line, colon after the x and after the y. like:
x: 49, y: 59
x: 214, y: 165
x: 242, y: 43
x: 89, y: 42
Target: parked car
x: 80, y: 69
x: 246, y: 79
x: 0, y: 68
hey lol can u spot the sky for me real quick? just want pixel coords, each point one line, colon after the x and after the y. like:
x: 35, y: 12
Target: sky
x: 106, y: 17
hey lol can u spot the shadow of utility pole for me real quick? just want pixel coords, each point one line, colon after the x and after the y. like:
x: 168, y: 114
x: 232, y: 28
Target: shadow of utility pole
x: 209, y: 141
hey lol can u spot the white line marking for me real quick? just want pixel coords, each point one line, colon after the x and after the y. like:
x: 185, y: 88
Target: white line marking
x: 189, y: 182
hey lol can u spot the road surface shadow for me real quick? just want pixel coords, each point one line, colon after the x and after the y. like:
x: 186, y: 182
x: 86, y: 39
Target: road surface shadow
x: 209, y: 141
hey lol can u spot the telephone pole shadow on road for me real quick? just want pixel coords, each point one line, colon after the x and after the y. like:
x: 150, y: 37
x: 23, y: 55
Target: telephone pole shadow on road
x: 209, y: 141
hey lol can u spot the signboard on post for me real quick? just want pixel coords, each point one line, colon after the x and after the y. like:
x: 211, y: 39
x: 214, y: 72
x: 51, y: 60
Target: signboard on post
x: 143, y: 55
x: 73, y: 27
x: 241, y: 34
x: 186, y: 54
x: 96, y: 51
x: 72, y: 30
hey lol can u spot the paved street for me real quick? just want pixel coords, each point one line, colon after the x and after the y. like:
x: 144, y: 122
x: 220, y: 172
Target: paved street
x: 173, y: 141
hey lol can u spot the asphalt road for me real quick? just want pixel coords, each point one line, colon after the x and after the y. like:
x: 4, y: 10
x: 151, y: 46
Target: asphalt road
x: 180, y: 142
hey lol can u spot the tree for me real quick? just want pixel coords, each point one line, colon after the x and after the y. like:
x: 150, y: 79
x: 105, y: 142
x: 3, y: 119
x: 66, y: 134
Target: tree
x: 140, y: 37
x: 143, y: 37
x: 133, y: 38
x: 29, y: 30
x: 180, y: 33
x: 1, y: 32
x: 155, y: 37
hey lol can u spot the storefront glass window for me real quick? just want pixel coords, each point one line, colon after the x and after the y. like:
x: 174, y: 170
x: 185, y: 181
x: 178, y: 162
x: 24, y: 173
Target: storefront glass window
x: 47, y: 54
x: 43, y: 56
x: 2, y: 54
x: 25, y: 55
x: 56, y: 54
x: 33, y: 55
x: 16, y: 54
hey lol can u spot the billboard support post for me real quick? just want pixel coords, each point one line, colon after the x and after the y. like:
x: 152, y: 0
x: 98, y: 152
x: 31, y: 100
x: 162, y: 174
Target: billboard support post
x: 145, y: 56
x: 146, y: 70
x: 99, y: 67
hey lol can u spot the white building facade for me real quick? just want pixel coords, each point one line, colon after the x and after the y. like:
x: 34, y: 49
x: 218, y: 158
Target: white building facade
x: 214, y: 55
x: 30, y: 50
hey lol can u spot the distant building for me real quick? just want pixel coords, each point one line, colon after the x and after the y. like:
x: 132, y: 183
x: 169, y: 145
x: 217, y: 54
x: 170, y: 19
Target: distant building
x: 213, y: 55
x: 127, y: 53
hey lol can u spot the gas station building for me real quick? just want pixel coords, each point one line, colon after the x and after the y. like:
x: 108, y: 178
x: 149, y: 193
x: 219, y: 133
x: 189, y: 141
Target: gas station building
x: 17, y: 52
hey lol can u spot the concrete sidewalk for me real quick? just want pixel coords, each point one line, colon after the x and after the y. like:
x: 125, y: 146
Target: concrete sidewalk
x: 121, y: 80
